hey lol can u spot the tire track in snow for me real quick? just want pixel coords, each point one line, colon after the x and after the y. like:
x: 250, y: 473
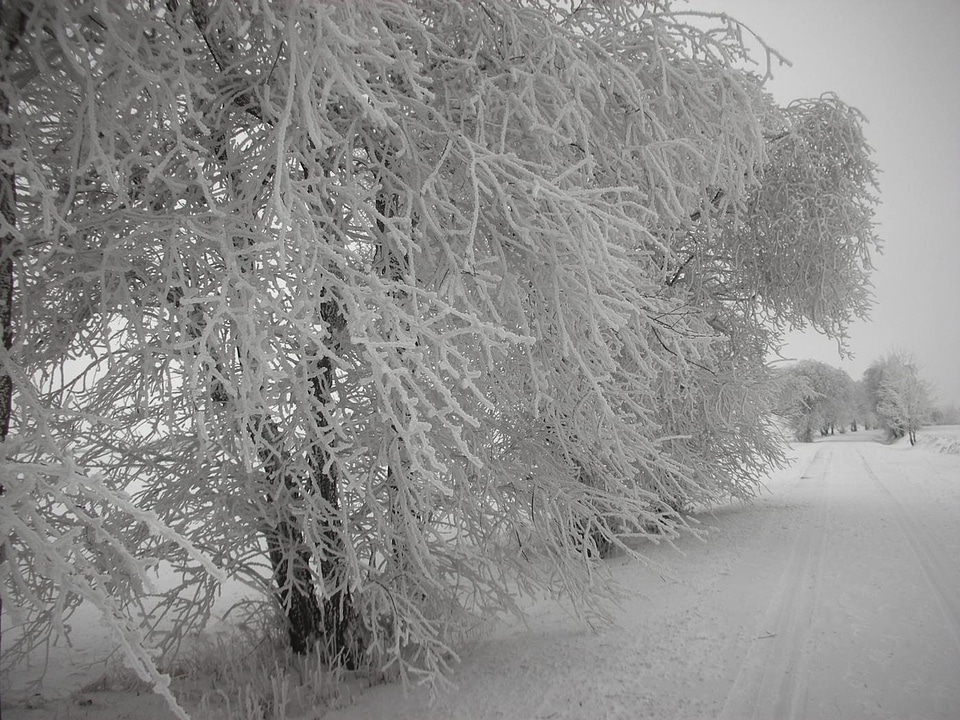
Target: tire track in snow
x: 933, y: 565
x: 771, y: 681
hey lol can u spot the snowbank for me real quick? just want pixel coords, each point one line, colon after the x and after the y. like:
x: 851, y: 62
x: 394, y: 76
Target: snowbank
x: 940, y: 438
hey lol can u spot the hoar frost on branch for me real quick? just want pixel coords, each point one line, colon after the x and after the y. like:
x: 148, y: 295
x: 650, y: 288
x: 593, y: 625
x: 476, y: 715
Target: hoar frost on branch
x: 394, y: 309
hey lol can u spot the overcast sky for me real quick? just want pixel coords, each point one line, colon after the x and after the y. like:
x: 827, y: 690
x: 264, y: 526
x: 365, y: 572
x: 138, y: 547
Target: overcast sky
x: 899, y: 64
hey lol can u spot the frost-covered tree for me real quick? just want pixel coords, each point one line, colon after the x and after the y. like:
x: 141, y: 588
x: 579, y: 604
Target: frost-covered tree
x: 899, y: 396
x: 392, y: 309
x: 816, y: 399
x: 863, y: 412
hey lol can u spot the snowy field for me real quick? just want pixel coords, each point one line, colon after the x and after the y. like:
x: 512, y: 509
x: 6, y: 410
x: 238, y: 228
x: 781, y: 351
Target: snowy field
x: 835, y: 595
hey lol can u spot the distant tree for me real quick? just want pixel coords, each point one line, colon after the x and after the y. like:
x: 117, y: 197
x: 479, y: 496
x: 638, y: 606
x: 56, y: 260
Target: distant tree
x: 862, y: 411
x: 816, y: 398
x: 899, y: 396
x: 347, y: 299
x: 945, y: 415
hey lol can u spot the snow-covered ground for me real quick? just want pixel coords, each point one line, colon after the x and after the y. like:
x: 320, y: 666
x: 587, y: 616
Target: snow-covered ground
x: 942, y: 439
x: 835, y: 595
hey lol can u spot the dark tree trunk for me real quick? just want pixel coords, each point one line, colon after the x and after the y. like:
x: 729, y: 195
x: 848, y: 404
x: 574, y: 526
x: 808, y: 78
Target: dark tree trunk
x: 290, y: 560
x: 311, y: 622
x: 289, y: 555
x: 282, y: 528
x: 11, y: 29
x: 8, y: 204
x: 338, y: 612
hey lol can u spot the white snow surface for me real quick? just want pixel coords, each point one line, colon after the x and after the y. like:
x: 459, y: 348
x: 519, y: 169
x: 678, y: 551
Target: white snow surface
x: 836, y: 594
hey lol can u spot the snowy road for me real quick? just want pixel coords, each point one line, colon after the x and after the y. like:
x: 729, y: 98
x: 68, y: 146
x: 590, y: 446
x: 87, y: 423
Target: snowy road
x: 836, y: 595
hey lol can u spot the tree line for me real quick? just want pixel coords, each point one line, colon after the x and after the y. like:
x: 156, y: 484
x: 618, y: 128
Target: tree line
x: 817, y: 399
